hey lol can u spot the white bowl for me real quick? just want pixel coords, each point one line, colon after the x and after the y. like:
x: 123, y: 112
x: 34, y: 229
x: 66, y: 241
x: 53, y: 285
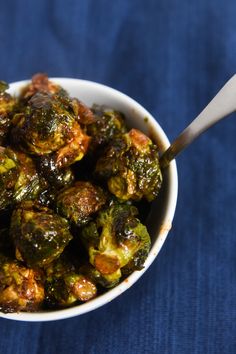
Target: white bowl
x: 159, y: 221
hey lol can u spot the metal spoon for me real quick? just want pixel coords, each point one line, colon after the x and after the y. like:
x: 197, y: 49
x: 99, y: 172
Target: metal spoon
x: 219, y: 107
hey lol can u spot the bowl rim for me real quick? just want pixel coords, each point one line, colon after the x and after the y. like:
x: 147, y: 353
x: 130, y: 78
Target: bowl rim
x: 171, y: 201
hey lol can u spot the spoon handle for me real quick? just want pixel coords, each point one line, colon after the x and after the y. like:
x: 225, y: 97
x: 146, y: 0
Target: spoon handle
x: 219, y: 107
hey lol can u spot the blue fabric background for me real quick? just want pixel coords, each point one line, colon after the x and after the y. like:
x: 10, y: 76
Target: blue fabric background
x: 172, y: 56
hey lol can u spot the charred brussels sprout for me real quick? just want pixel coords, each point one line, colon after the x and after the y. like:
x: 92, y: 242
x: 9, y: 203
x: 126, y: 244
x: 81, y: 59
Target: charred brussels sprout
x: 66, y: 290
x: 107, y: 125
x: 7, y: 103
x: 80, y: 201
x: 64, y: 285
x: 116, y: 239
x: 21, y: 288
x: 39, y: 234
x: 19, y: 179
x: 47, y: 126
x: 40, y: 83
x: 57, y: 177
x: 130, y: 165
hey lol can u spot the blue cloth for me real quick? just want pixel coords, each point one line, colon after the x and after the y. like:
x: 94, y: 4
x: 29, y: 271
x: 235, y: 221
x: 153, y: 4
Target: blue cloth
x: 172, y: 56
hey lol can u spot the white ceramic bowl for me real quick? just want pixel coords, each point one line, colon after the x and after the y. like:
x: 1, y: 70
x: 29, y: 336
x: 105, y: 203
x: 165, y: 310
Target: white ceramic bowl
x: 159, y: 221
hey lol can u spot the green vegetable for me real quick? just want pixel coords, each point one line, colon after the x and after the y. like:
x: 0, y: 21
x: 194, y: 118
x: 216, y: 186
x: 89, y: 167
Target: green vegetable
x: 21, y: 288
x: 80, y: 201
x: 64, y: 285
x: 40, y: 83
x: 130, y: 165
x: 39, y: 234
x: 116, y: 239
x: 57, y: 177
x: 107, y: 125
x: 48, y: 125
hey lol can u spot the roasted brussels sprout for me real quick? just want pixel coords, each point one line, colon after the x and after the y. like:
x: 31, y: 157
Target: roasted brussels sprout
x: 80, y: 201
x: 57, y: 177
x: 130, y: 165
x: 39, y: 234
x: 107, y: 125
x: 21, y: 288
x: 7, y: 103
x: 64, y: 285
x: 68, y: 289
x: 19, y: 179
x: 40, y: 83
x: 47, y: 126
x: 116, y: 239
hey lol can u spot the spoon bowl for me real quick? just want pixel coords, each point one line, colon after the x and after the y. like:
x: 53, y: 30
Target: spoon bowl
x: 162, y: 210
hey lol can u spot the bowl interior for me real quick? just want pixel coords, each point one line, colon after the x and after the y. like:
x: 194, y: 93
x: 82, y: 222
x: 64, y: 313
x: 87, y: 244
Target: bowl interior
x: 162, y: 210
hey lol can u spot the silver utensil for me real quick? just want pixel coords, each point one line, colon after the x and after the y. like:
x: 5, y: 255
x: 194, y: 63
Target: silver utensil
x: 219, y: 107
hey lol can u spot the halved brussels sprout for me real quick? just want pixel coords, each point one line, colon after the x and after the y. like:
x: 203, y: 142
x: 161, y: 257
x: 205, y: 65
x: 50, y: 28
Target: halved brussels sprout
x: 57, y: 177
x: 130, y: 164
x: 107, y: 125
x: 47, y: 126
x: 39, y: 234
x: 79, y: 202
x: 21, y: 288
x: 115, y: 240
x: 65, y: 285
